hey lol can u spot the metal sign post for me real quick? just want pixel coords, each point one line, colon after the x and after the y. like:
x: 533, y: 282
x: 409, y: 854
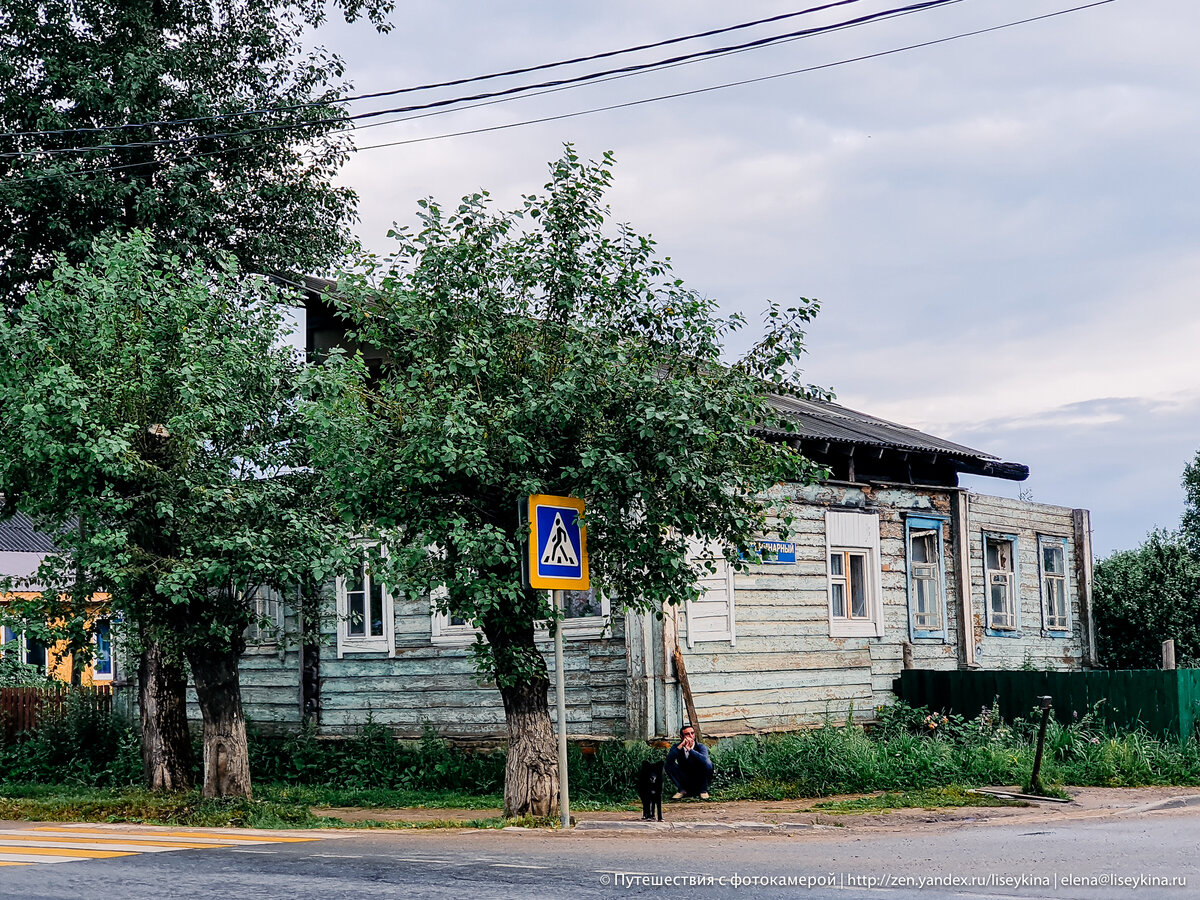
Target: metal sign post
x: 560, y: 692
x: 557, y: 560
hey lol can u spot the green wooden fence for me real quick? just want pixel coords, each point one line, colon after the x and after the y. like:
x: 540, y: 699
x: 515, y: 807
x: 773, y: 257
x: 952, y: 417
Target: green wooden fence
x: 1164, y: 703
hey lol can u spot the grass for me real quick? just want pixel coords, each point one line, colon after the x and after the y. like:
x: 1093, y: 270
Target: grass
x: 83, y: 766
x: 928, y: 798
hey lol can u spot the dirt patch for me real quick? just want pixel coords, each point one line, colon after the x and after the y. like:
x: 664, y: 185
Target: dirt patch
x: 1086, y: 803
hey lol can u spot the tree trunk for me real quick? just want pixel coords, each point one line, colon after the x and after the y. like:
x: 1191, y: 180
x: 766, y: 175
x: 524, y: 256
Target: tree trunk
x: 226, y: 753
x: 531, y: 772
x: 166, y: 743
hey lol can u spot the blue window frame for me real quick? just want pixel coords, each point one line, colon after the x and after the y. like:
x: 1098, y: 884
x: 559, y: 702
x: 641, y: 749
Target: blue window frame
x: 925, y: 553
x: 1001, y: 585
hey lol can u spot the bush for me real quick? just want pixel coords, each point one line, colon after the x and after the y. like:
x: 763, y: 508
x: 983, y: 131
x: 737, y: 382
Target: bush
x: 76, y: 744
x: 909, y: 749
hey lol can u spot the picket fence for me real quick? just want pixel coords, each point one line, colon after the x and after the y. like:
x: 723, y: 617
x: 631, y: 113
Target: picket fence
x: 21, y: 708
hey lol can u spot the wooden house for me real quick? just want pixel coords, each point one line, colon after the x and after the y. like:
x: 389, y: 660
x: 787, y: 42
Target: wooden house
x: 892, y: 565
x: 22, y: 549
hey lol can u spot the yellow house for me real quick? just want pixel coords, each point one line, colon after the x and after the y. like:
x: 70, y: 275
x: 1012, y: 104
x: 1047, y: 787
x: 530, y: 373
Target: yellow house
x: 22, y: 549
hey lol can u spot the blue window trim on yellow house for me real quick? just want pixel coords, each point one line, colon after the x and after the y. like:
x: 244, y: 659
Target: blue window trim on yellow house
x: 1016, y: 586
x: 921, y: 523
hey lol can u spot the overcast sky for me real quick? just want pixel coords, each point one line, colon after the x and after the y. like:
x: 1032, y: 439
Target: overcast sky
x: 1002, y: 230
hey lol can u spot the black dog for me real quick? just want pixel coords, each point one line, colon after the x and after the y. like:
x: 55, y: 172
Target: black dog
x: 650, y: 789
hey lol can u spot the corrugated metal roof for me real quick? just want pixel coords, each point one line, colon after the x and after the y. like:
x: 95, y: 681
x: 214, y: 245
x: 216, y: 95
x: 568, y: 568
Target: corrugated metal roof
x: 18, y: 535
x: 817, y: 420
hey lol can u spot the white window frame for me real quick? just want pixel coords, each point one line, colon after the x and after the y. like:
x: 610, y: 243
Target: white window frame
x: 98, y: 677
x: 1058, y: 543
x: 854, y: 533
x: 582, y: 628
x: 715, y: 588
x: 442, y: 632
x: 258, y: 639
x: 1013, y: 576
x: 357, y: 643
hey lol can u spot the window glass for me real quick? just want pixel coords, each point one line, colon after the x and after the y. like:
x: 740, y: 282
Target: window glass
x: 581, y: 604
x: 858, y: 586
x: 839, y: 600
x: 835, y: 564
x: 356, y: 598
x: 376, y: 608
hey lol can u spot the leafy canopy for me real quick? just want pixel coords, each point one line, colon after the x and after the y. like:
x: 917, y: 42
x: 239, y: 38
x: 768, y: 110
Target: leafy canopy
x: 148, y: 416
x: 266, y: 197
x: 540, y: 350
x: 1144, y: 596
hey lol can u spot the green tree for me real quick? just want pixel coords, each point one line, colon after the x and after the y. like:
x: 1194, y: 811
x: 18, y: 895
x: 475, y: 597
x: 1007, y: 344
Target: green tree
x: 536, y: 352
x: 265, y: 197
x: 150, y: 419
x: 1145, y: 596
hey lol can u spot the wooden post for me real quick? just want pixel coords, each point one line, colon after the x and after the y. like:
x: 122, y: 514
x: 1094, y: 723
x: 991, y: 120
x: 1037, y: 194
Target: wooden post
x: 1035, y: 779
x: 1168, y: 651
x: 681, y: 672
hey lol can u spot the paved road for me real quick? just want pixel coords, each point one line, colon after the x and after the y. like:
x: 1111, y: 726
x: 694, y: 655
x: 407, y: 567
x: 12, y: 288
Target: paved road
x: 479, y: 864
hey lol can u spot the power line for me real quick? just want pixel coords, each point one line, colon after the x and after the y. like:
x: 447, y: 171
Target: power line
x: 631, y: 103
x: 442, y: 84
x: 506, y: 92
x: 729, y: 84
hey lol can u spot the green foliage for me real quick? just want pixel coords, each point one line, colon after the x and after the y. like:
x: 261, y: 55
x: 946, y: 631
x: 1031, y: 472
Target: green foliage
x: 14, y: 673
x: 207, y: 187
x: 60, y: 804
x: 927, y: 798
x: 150, y: 422
x: 373, y: 760
x: 79, y: 744
x: 540, y: 350
x: 372, y: 769
x: 1144, y: 596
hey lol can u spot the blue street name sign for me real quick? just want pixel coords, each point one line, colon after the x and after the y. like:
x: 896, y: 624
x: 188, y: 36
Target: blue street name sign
x: 775, y: 553
x: 557, y: 543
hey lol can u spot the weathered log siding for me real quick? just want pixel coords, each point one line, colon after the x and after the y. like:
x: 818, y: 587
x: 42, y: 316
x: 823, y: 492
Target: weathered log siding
x: 782, y: 671
x: 426, y: 684
x: 1034, y: 647
x: 785, y: 670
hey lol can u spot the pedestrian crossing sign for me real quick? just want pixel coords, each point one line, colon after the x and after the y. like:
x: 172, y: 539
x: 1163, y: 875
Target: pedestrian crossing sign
x: 557, y: 543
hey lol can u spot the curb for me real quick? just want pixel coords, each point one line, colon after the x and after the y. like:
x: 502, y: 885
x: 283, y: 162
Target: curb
x: 1169, y: 803
x: 700, y: 827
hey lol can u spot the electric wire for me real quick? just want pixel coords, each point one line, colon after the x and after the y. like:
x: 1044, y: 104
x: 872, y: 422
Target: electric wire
x: 611, y: 107
x: 729, y: 84
x: 441, y: 84
x: 507, y: 92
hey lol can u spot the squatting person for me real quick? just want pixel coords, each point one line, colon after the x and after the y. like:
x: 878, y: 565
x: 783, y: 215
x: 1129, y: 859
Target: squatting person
x: 689, y: 766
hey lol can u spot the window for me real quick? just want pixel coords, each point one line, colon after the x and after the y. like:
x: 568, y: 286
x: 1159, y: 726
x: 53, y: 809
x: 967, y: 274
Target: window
x: 926, y: 577
x: 365, y: 617
x: 446, y: 629
x: 28, y: 650
x: 710, y: 616
x: 585, y: 614
x: 1000, y: 583
x: 102, y: 656
x: 855, y: 598
x: 267, y: 626
x: 1052, y: 555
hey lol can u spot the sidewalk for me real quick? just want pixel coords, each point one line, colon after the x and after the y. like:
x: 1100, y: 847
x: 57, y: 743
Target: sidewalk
x: 783, y: 816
